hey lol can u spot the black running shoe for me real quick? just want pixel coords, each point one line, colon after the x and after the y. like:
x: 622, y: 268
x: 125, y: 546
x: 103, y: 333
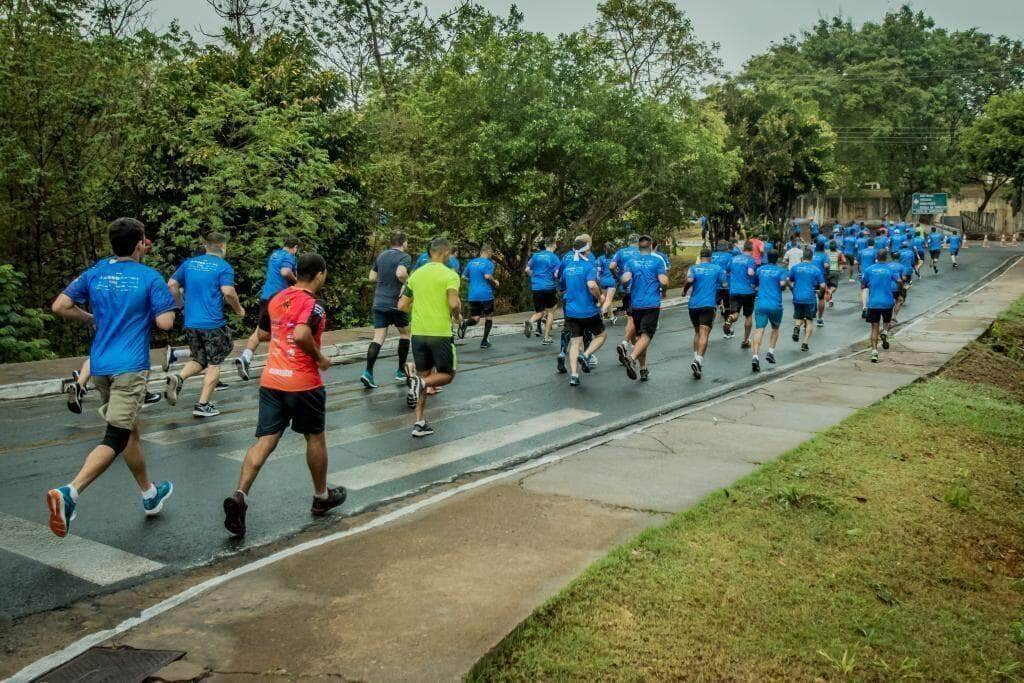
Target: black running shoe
x: 885, y: 340
x: 755, y: 365
x: 461, y: 334
x: 623, y: 350
x: 335, y: 497
x: 796, y: 333
x: 574, y: 380
x: 421, y: 429
x: 412, y: 397
x: 770, y: 357
x: 242, y: 366
x: 630, y: 367
x: 74, y: 393
x: 584, y: 362
x: 174, y: 383
x: 561, y: 365
x: 151, y: 398
x: 745, y: 344
x: 205, y: 410
x: 696, y: 369
x: 527, y: 329
x: 805, y: 347
x: 485, y: 344
x: 644, y: 375
x: 221, y: 386
x: 234, y: 514
x: 539, y: 331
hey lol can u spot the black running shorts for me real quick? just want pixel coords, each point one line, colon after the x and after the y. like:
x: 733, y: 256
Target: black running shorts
x: 645, y: 320
x: 209, y: 347
x: 543, y: 300
x: 627, y: 302
x: 577, y: 326
x: 879, y: 315
x: 832, y: 281
x: 742, y: 302
x: 481, y: 309
x: 304, y: 410
x: 702, y: 317
x: 434, y: 353
x: 722, y: 298
x: 383, y: 317
x: 264, y: 317
x: 804, y: 311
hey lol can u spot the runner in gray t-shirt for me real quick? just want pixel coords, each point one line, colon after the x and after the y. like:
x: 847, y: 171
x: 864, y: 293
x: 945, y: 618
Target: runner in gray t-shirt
x: 389, y: 272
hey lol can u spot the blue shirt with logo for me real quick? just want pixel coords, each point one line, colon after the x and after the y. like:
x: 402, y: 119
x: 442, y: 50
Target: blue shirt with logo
x: 621, y: 260
x: 575, y: 275
x: 866, y: 257
x: 935, y: 240
x: 543, y: 266
x: 820, y: 259
x: 707, y: 279
x: 479, y: 287
x: 275, y: 282
x: 954, y: 243
x: 918, y: 243
x: 723, y: 260
x: 897, y: 268
x: 125, y: 297
x: 849, y: 245
x: 881, y: 281
x: 861, y: 244
x: 202, y: 277
x: 645, y: 287
x: 606, y: 278
x: 770, y: 280
x: 452, y: 262
x: 908, y: 257
x: 806, y: 278
x: 741, y: 279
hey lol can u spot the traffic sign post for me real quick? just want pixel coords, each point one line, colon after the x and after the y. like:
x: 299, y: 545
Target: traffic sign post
x: 929, y: 203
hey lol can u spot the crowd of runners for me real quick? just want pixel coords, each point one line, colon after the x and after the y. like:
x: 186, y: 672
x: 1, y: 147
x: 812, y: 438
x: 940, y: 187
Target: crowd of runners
x: 123, y: 299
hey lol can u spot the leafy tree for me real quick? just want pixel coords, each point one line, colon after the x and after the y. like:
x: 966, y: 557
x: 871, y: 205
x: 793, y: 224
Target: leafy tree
x: 21, y: 328
x: 994, y: 143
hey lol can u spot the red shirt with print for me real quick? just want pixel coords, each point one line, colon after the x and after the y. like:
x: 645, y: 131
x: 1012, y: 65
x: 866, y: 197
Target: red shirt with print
x: 289, y: 368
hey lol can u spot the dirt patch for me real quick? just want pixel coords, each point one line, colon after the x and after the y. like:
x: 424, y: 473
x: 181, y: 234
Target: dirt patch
x: 979, y: 364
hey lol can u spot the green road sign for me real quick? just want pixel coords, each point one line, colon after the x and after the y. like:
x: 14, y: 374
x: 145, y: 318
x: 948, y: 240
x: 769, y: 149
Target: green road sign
x: 932, y: 203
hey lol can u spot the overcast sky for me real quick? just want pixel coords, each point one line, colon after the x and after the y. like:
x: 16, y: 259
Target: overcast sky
x: 743, y: 27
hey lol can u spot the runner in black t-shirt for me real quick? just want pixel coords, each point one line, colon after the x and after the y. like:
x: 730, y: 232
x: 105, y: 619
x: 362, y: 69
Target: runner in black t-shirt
x: 390, y: 271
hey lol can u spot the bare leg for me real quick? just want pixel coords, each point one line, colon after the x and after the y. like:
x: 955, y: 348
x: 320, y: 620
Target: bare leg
x: 808, y: 331
x: 574, y: 351
x: 254, y: 341
x: 549, y: 321
x: 254, y: 459
x: 596, y: 343
x: 96, y: 463
x: 774, y: 338
x: 748, y: 324
x: 190, y: 369
x: 874, y: 337
x: 316, y: 460
x: 702, y: 339
x: 209, y: 383
x: 755, y: 343
x: 136, y: 463
x: 640, y: 350
x: 84, y: 373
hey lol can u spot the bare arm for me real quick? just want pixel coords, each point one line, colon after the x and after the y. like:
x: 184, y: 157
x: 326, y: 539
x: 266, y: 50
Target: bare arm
x: 455, y: 305
x: 401, y: 274
x: 663, y: 279
x: 65, y: 307
x: 595, y: 291
x: 626, y: 277
x: 175, y: 288
x: 289, y: 275
x: 373, y: 276
x: 231, y: 296
x: 405, y: 303
x: 305, y: 341
x: 165, y: 320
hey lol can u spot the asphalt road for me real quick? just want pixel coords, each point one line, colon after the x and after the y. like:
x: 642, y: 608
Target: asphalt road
x: 506, y: 403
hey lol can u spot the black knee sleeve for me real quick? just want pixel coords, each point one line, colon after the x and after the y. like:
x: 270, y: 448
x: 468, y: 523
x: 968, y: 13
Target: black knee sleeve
x: 116, y: 439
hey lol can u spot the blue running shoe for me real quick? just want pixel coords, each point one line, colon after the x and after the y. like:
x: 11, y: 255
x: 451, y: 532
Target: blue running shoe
x: 401, y: 377
x: 62, y: 510
x: 367, y: 379
x: 154, y: 505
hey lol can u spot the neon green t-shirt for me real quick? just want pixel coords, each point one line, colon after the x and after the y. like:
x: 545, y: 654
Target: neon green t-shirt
x: 428, y: 287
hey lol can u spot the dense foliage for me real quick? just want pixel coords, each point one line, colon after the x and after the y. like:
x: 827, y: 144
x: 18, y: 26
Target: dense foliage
x: 342, y: 120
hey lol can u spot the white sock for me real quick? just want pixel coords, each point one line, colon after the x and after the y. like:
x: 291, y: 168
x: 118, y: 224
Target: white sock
x: 247, y: 354
x: 245, y: 496
x: 74, y: 493
x: 699, y: 358
x: 771, y: 350
x: 755, y: 357
x: 150, y: 492
x: 321, y: 496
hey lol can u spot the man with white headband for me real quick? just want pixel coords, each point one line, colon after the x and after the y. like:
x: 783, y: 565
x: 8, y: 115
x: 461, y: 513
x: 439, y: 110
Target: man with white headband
x: 578, y: 278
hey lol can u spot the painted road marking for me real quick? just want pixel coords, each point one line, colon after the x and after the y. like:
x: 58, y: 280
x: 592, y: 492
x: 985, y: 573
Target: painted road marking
x: 396, y: 467
x: 294, y: 444
x: 89, y: 560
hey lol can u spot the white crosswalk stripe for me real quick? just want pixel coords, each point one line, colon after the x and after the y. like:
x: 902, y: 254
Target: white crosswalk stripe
x: 89, y: 560
x: 389, y: 469
x: 293, y: 444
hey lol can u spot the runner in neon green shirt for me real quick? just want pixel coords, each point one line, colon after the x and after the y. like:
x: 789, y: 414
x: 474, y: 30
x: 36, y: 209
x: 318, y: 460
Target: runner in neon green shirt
x: 432, y: 293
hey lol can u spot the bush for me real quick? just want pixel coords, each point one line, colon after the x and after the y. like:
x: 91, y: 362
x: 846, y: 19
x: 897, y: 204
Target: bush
x: 21, y: 328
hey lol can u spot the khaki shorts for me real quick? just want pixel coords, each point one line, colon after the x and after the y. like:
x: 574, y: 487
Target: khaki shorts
x: 123, y: 396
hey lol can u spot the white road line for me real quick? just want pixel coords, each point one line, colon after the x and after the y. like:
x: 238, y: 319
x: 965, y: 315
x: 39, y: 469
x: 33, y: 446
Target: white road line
x: 293, y: 444
x: 88, y: 560
x: 388, y: 469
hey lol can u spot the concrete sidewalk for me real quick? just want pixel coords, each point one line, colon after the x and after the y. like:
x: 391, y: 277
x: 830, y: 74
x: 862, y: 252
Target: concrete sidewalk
x: 424, y: 596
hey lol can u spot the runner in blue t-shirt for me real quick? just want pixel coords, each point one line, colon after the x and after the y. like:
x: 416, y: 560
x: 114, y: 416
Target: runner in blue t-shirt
x: 918, y: 244
x: 877, y: 283
x: 582, y: 308
x: 280, y: 275
x: 480, y: 273
x: 954, y: 242
x: 607, y: 282
x: 203, y: 284
x: 646, y: 275
x: 542, y: 268
x: 821, y: 259
x: 772, y: 279
x: 704, y: 279
x: 850, y: 252
x: 741, y: 293
x: 618, y: 265
x: 866, y: 256
x: 452, y: 262
x: 126, y: 299
x: 807, y: 281
x: 722, y: 258
x: 935, y: 241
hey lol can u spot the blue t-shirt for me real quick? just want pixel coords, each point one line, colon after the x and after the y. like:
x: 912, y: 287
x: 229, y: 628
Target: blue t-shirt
x: 543, y: 266
x: 935, y: 240
x: 881, y: 281
x: 707, y: 279
x: 815, y: 228
x: 124, y: 297
x: 918, y: 243
x: 578, y: 302
x: 849, y: 245
x: 741, y: 278
x: 770, y: 280
x: 723, y: 260
x: 897, y: 269
x: 820, y: 259
x: 954, y: 242
x: 645, y: 287
x: 605, y: 275
x: 202, y: 277
x: 881, y: 242
x: 908, y: 257
x: 806, y: 278
x: 479, y: 287
x: 866, y: 257
x: 861, y: 244
x: 621, y: 260
x: 275, y: 282
x: 452, y: 262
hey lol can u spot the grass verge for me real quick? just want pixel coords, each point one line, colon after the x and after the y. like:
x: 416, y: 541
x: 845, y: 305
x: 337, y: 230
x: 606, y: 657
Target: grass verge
x: 888, y: 547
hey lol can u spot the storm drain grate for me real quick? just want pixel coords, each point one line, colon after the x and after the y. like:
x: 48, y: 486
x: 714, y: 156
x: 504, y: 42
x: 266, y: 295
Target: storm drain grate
x: 112, y: 665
